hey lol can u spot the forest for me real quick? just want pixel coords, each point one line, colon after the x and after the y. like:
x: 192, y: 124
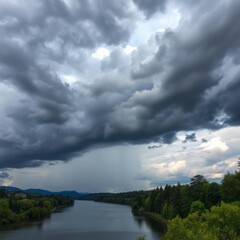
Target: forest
x: 21, y: 207
x: 198, y: 210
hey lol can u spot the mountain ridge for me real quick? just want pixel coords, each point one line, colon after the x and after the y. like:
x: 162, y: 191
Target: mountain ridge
x: 67, y: 193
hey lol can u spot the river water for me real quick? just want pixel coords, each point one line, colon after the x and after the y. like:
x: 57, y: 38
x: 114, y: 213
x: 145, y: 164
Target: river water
x: 87, y: 220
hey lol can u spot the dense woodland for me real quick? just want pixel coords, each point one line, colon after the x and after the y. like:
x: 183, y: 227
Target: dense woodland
x: 20, y: 207
x: 177, y: 200
x: 199, y: 210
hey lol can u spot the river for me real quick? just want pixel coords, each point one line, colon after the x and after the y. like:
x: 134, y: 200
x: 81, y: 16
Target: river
x: 87, y: 220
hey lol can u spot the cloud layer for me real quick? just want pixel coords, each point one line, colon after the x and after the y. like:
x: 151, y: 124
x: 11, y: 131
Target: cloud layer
x: 183, y: 79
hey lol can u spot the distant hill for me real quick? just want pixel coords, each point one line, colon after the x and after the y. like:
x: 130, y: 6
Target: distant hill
x: 73, y: 194
x: 11, y: 189
x: 39, y: 191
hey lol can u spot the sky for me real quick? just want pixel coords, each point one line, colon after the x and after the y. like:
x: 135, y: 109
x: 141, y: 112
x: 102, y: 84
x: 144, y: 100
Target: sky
x: 102, y: 95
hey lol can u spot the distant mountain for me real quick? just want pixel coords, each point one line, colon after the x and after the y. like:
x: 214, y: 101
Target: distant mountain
x: 39, y: 191
x: 11, y: 189
x: 73, y: 194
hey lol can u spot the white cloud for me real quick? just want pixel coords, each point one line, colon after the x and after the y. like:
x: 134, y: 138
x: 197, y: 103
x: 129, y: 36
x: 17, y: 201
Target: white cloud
x: 7, y: 182
x: 214, y: 144
x: 101, y: 53
x: 70, y: 79
x: 180, y: 161
x: 129, y: 49
x: 159, y: 23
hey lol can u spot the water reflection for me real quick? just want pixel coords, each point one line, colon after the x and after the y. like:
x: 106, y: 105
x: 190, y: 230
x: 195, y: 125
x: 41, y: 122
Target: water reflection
x: 151, y: 223
x: 16, y: 226
x: 139, y: 220
x: 155, y: 226
x: 87, y: 221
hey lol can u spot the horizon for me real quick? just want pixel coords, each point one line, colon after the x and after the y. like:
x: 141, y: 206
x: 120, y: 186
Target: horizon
x: 87, y: 192
x: 109, y: 96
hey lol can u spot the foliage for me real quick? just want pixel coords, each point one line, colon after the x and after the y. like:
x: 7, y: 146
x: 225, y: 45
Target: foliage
x: 198, y: 180
x: 141, y: 238
x: 213, y: 195
x: 15, y: 207
x: 230, y: 189
x: 5, y: 212
x: 197, y: 207
x: 134, y: 199
x: 221, y: 222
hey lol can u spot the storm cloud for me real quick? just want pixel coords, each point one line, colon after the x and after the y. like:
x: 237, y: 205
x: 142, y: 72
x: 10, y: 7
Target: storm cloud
x: 183, y: 79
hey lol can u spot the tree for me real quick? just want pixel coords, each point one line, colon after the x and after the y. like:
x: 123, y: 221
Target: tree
x: 197, y: 207
x: 2, y: 193
x: 213, y: 196
x: 230, y: 189
x: 221, y: 223
x: 5, y: 212
x: 224, y: 221
x: 185, y: 200
x: 198, y: 179
x: 198, y: 186
x: 158, y: 202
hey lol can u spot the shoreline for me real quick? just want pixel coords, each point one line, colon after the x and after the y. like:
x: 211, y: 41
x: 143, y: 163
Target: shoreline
x: 158, y: 218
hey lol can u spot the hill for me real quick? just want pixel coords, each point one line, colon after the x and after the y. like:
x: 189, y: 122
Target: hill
x: 73, y: 194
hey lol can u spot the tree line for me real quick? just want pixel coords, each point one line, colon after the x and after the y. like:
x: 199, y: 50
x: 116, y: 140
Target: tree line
x: 198, y: 210
x: 18, y: 207
x: 177, y: 200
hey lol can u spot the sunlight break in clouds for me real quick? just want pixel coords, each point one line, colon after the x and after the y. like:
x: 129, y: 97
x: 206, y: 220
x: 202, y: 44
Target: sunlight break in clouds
x: 101, y: 53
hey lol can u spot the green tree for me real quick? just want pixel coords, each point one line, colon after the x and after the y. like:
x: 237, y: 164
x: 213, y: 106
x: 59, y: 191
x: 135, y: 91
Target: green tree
x: 197, y: 180
x: 158, y: 201
x: 185, y: 200
x: 5, y: 212
x: 221, y: 223
x: 25, y: 204
x: 230, y: 189
x: 197, y: 207
x: 2, y: 193
x: 224, y: 221
x: 198, y: 186
x: 213, y: 195
x: 175, y: 200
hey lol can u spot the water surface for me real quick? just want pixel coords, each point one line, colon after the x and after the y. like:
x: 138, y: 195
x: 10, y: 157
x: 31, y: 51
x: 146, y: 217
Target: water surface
x: 87, y: 220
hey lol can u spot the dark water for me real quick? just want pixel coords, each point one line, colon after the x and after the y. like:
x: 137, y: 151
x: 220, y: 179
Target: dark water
x: 87, y: 221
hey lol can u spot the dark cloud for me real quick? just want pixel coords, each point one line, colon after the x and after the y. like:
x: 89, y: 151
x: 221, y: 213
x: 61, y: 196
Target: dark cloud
x: 123, y: 98
x: 80, y: 23
x: 228, y: 99
x: 154, y: 146
x: 190, y: 138
x: 150, y: 7
x: 185, y: 65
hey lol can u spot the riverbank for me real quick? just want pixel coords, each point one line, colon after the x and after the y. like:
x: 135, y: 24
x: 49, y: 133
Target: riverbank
x: 158, y: 218
x: 18, y: 208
